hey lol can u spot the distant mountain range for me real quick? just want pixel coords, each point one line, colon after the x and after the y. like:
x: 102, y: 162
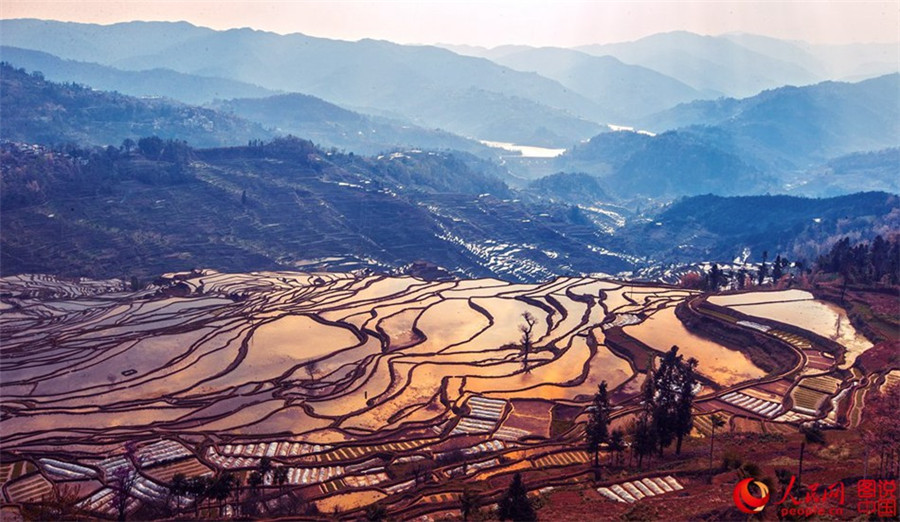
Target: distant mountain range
x: 858, y: 111
x: 624, y: 91
x: 256, y: 85
x: 425, y: 85
x: 797, y: 127
x: 187, y: 88
x: 174, y: 147
x: 39, y: 111
x: 332, y: 126
x: 85, y: 115
x: 733, y: 65
x: 707, y: 63
x: 547, y: 97
x: 758, y: 144
x: 744, y: 65
x: 772, y: 142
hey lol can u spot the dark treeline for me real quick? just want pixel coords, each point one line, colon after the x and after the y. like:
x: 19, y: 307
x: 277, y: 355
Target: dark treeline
x: 873, y: 262
x: 33, y: 174
x: 288, y: 146
x: 746, y: 276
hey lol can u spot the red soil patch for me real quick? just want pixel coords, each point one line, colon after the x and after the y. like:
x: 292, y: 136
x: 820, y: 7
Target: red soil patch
x: 779, y: 387
x: 881, y: 357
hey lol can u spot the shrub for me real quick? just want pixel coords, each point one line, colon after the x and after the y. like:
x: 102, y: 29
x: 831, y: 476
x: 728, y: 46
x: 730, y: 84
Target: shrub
x: 731, y: 460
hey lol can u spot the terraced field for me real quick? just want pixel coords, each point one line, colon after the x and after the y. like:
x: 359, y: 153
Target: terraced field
x: 365, y: 389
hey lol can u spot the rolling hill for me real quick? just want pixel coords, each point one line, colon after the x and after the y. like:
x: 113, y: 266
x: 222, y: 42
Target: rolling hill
x: 720, y: 228
x: 626, y: 91
x: 186, y: 88
x: 331, y: 126
x: 708, y: 64
x: 413, y: 82
x: 669, y: 165
x: 875, y: 170
x: 39, y: 111
x: 801, y: 125
x: 284, y: 204
x: 765, y: 143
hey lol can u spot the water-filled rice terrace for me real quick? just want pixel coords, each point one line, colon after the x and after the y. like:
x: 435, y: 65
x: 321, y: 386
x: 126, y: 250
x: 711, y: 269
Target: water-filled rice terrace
x: 377, y: 389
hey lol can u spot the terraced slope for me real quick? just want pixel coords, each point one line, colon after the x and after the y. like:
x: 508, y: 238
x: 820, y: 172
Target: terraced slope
x: 363, y: 389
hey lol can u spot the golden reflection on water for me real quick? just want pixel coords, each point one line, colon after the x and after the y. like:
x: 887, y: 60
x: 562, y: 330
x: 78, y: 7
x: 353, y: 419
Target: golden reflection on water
x: 720, y: 364
x: 826, y: 319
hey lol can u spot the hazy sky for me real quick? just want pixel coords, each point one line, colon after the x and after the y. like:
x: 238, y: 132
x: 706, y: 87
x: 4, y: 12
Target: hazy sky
x: 496, y: 22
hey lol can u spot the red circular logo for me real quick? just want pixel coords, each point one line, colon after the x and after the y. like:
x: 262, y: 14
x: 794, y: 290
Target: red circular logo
x: 745, y: 501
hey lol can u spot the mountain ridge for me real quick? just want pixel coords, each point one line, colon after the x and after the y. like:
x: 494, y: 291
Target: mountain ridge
x: 370, y: 75
x: 38, y: 111
x: 186, y: 88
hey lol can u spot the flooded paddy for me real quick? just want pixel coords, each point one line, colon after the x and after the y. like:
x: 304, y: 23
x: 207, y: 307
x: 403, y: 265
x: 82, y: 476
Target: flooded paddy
x: 723, y: 365
x: 798, y: 308
x: 352, y: 367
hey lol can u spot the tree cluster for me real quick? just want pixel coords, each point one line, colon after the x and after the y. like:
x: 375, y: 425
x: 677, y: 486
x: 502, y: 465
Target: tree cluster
x: 668, y: 397
x: 717, y: 278
x: 33, y: 174
x: 247, y: 499
x: 515, y: 504
x: 865, y: 263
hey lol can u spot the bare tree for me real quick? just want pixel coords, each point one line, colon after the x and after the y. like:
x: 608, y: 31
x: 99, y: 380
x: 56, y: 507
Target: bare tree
x: 717, y: 422
x: 312, y: 368
x: 123, y: 480
x: 527, y: 340
x: 61, y: 503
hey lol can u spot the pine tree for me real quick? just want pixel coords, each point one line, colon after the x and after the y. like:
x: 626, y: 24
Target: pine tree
x: 644, y: 430
x: 515, y: 504
x: 644, y: 437
x: 597, y: 429
x: 715, y: 278
x: 684, y: 420
x: 776, y: 269
x: 616, y: 445
x: 879, y: 261
x: 674, y: 382
x: 667, y: 387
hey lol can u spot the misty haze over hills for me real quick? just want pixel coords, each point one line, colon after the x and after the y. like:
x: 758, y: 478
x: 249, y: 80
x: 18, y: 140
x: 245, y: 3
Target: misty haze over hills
x: 732, y: 115
x: 735, y: 65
